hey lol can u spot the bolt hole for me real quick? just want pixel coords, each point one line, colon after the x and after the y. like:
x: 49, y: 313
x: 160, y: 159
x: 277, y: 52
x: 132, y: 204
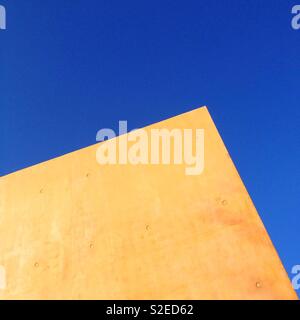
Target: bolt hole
x: 224, y: 202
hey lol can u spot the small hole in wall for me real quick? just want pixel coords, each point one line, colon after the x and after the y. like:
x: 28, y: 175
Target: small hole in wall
x: 36, y: 265
x: 224, y: 202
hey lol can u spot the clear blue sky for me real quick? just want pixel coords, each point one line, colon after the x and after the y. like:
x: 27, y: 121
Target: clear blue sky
x: 69, y: 68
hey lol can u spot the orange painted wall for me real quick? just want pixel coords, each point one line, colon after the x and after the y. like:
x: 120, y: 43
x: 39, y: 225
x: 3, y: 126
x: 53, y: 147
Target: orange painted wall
x: 73, y: 229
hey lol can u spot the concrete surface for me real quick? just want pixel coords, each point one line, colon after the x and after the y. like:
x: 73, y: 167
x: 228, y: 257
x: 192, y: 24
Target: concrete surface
x: 73, y: 229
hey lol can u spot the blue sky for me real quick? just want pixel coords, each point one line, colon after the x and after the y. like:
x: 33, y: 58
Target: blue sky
x: 70, y: 68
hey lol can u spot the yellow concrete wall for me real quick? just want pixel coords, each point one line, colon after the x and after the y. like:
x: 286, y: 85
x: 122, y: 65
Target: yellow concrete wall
x: 72, y: 229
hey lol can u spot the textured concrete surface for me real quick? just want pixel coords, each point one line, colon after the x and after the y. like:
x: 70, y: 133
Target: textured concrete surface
x: 72, y: 229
